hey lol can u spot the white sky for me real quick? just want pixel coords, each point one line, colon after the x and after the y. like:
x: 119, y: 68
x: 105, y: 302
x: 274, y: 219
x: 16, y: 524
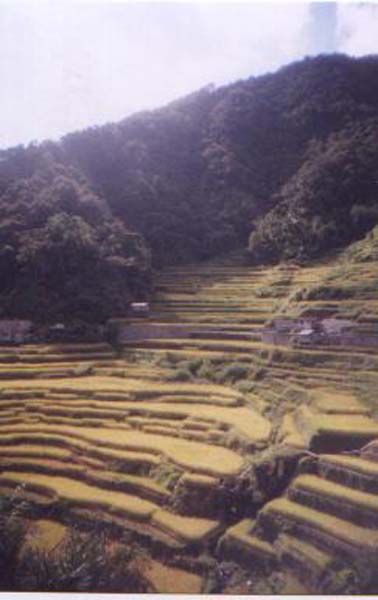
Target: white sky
x: 66, y: 65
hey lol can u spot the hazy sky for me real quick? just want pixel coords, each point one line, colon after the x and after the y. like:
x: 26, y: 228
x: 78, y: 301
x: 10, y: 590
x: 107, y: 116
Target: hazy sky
x: 67, y: 65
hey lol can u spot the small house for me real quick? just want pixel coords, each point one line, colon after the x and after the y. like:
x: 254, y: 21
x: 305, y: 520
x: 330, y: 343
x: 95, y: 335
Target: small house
x: 307, y: 335
x: 15, y: 331
x: 56, y: 332
x: 58, y: 327
x: 140, y: 309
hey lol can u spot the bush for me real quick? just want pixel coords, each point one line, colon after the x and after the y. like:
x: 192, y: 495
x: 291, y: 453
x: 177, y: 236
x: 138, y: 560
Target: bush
x: 180, y: 375
x: 83, y: 564
x: 12, y: 535
x: 190, y: 365
x: 246, y: 386
x: 234, y: 372
x: 329, y: 293
x: 171, y: 358
x: 206, y: 371
x: 194, y: 365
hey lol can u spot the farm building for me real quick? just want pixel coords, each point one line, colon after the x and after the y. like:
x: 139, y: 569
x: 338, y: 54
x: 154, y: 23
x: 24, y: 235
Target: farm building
x: 327, y: 331
x: 139, y: 309
x: 14, y: 331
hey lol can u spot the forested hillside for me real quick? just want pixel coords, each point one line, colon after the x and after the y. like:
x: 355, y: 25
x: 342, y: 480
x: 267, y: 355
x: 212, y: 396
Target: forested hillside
x: 288, y: 161
x: 63, y: 255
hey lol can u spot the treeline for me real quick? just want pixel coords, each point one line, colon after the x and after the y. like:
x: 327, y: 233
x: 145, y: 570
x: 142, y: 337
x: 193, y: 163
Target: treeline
x: 288, y: 161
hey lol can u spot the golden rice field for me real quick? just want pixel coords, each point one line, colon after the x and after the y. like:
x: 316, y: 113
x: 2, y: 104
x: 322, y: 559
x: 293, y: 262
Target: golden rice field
x: 211, y: 447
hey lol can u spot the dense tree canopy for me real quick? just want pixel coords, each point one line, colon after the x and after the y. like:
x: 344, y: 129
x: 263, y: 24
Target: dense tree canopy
x: 287, y: 161
x: 62, y: 254
x: 331, y: 200
x: 203, y: 172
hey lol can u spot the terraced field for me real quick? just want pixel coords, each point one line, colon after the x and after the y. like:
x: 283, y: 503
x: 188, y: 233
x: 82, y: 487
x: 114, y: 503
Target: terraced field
x: 189, y: 441
x: 323, y: 529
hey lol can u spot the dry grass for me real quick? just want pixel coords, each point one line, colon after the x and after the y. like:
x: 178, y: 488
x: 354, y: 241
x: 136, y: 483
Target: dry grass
x: 201, y: 481
x: 170, y: 580
x: 341, y: 424
x: 44, y: 535
x: 341, y: 493
x: 189, y: 529
x: 93, y: 384
x: 126, y: 419
x: 81, y: 494
x: 306, y: 551
x: 283, y: 508
x: 245, y: 421
x: 290, y: 434
x: 338, y: 402
x: 51, y: 445
x: 34, y: 450
x: 352, y: 463
x: 194, y: 456
x: 239, y: 539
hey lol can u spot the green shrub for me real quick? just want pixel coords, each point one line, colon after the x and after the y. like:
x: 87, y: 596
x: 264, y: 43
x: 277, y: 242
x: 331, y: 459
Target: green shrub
x: 172, y: 358
x: 260, y: 373
x: 190, y: 365
x: 246, y: 386
x: 206, y: 371
x: 180, y: 375
x: 234, y: 372
x: 324, y: 292
x: 194, y: 365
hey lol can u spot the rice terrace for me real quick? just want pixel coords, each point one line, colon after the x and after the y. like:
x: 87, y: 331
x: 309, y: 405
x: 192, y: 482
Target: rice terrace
x: 229, y: 458
x: 189, y: 307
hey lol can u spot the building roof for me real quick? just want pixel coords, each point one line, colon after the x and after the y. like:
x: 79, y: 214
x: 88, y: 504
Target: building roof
x: 306, y: 332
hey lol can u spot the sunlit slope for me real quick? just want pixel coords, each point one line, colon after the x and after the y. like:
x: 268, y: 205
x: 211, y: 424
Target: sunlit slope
x: 113, y: 449
x: 144, y: 440
x: 325, y: 525
x: 222, y: 309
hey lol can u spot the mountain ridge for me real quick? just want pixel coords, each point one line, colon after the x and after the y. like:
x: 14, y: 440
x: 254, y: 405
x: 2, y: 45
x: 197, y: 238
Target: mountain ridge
x: 285, y: 163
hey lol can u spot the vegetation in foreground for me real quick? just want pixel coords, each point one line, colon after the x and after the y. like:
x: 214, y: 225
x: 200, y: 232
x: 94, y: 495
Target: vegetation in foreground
x: 78, y: 562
